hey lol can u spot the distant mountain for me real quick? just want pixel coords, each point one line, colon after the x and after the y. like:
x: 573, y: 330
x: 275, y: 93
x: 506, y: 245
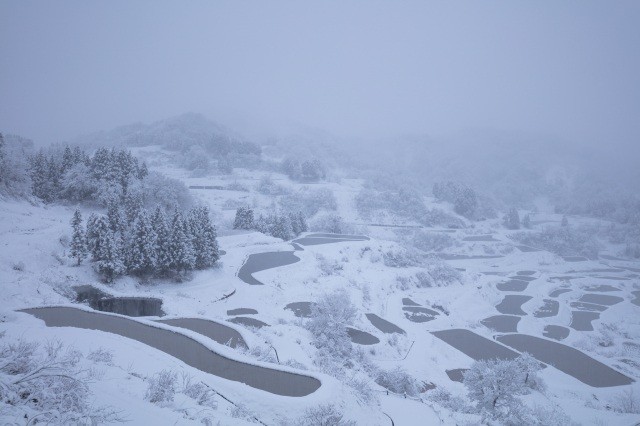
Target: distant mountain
x: 176, y: 133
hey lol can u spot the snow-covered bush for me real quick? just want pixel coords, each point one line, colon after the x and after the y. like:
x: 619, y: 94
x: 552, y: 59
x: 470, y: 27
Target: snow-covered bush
x: 398, y: 381
x: 442, y: 273
x: 309, y: 201
x: 323, y: 415
x: 162, y: 387
x: 44, y: 383
x: 432, y: 241
x: 328, y: 267
x: 267, y: 186
x: 564, y: 241
x: 329, y: 222
x: 446, y: 400
x: 512, y: 219
x: 329, y: 317
x: 494, y: 386
x: 626, y: 402
x: 101, y: 355
x: 18, y: 266
x: 401, y: 258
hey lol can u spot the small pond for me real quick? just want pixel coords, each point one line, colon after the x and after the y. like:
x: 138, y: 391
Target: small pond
x: 559, y: 291
x: 129, y: 306
x: 241, y: 311
x: 248, y: 322
x: 601, y: 299
x: 556, y: 332
x: 480, y: 238
x: 512, y: 285
x: 636, y: 301
x: 567, y: 359
x: 474, y: 345
x: 526, y: 272
x: 383, y: 325
x: 502, y: 323
x: 362, y: 337
x: 581, y: 320
x: 512, y: 304
x: 262, y: 261
x: 300, y: 309
x: 419, y: 314
x: 527, y: 249
x: 549, y: 309
x: 574, y: 259
x: 591, y: 307
x: 604, y: 288
x: 457, y: 374
x: 408, y: 302
x: 184, y: 348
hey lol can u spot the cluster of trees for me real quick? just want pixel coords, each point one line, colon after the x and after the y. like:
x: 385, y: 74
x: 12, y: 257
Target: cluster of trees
x: 145, y: 244
x: 308, y: 170
x: 14, y: 178
x: 463, y: 197
x: 71, y: 174
x: 280, y: 224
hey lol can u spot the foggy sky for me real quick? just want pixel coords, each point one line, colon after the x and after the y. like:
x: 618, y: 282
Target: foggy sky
x: 365, y: 68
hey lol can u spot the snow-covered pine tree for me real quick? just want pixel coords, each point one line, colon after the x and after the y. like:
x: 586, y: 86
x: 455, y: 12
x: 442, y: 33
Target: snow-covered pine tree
x: 116, y: 219
x: 111, y: 263
x: 180, y: 244
x: 243, y: 219
x: 96, y: 225
x: 142, y: 171
x: 141, y: 253
x: 3, y: 154
x: 526, y: 221
x: 282, y: 227
x: 203, y: 235
x: 565, y: 222
x: 78, y: 240
x: 261, y: 225
x: 161, y: 231
x: 512, y: 220
x: 302, y: 222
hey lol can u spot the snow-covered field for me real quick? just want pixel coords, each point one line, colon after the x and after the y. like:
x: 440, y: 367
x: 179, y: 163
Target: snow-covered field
x: 36, y: 271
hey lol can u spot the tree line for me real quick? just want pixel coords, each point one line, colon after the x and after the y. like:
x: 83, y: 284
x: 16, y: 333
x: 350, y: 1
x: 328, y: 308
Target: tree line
x: 280, y: 224
x: 145, y: 244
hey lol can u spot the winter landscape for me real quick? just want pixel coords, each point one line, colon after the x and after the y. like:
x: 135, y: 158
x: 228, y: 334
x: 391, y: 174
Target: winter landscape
x: 301, y: 251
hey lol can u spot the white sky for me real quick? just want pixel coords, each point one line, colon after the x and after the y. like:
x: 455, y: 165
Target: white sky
x: 365, y: 68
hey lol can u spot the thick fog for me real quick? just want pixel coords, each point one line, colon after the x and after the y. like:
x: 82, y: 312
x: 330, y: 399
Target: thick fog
x: 560, y: 70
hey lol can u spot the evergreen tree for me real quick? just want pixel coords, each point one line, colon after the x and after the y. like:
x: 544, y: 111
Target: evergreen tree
x: 163, y: 238
x: 94, y: 223
x: 180, y: 245
x: 67, y: 159
x: 565, y: 222
x: 141, y: 253
x: 261, y: 225
x: 110, y: 263
x: 2, y: 157
x: 302, y: 222
x: 512, y: 220
x: 38, y: 173
x: 204, y: 240
x: 243, y: 219
x: 526, y: 221
x: 78, y: 240
x: 116, y: 219
x: 142, y: 171
x: 282, y: 227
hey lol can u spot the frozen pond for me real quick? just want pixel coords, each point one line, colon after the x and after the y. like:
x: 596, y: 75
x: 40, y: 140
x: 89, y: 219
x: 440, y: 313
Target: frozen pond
x: 457, y: 374
x: 383, y: 325
x: 502, y: 323
x: 512, y: 304
x: 408, y: 302
x: 512, y: 285
x: 316, y: 239
x: 300, y: 309
x: 213, y: 330
x: 446, y: 256
x: 574, y: 259
x: 527, y: 249
x: 581, y: 320
x: 262, y: 261
x: 558, y: 292
x: 568, y: 360
x: 362, y: 337
x: 340, y: 236
x: 636, y: 301
x: 248, y: 322
x: 601, y: 288
x: 241, y: 311
x: 556, y: 332
x: 480, y: 238
x: 549, y: 309
x: 419, y: 314
x: 601, y: 299
x: 526, y: 272
x: 473, y: 345
x: 523, y: 278
x: 184, y: 348
x: 588, y: 307
x: 129, y: 306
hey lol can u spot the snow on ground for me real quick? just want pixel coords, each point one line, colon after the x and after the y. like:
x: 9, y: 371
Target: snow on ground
x: 35, y: 271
